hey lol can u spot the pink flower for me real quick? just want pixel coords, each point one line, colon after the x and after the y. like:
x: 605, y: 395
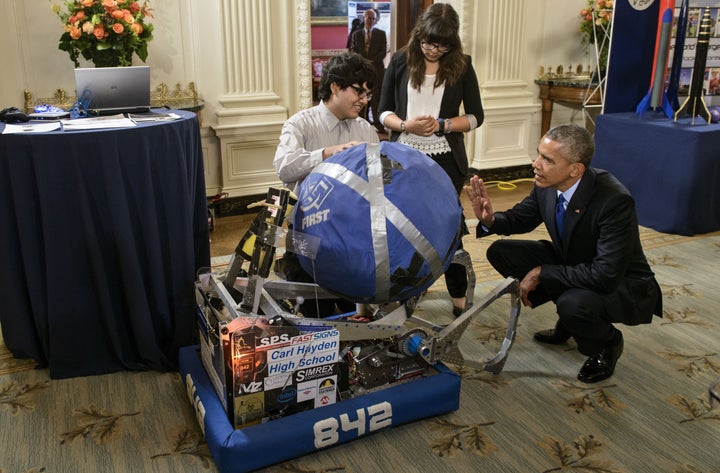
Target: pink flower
x: 99, y: 31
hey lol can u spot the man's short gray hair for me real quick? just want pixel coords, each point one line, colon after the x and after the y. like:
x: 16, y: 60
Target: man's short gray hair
x: 578, y: 141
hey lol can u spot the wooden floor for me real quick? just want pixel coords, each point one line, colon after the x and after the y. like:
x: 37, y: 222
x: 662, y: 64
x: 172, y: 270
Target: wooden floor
x: 228, y: 230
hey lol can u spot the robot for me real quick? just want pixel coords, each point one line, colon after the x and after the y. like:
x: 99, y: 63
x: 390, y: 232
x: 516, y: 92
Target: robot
x: 382, y: 344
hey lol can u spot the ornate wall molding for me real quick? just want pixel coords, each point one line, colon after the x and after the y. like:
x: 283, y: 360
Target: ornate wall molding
x: 304, y: 68
x: 495, y: 33
x: 267, y: 76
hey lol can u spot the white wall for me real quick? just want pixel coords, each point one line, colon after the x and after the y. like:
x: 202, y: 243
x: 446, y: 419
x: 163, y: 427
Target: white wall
x: 185, y: 49
x: 559, y: 45
x: 188, y: 46
x: 30, y: 30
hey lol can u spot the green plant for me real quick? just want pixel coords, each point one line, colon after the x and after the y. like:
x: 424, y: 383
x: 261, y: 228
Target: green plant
x: 106, y: 32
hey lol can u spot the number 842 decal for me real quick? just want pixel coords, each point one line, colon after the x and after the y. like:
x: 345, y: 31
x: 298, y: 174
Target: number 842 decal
x: 369, y: 419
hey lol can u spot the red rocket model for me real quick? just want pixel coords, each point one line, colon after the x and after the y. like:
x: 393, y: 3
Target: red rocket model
x: 695, y: 103
x: 656, y: 96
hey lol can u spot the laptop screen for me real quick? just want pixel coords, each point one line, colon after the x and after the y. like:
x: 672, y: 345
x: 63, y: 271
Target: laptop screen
x: 114, y: 89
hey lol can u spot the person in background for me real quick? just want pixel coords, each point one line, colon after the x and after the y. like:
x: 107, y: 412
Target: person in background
x: 354, y: 26
x: 371, y: 43
x: 424, y: 86
x: 593, y: 269
x: 314, y: 134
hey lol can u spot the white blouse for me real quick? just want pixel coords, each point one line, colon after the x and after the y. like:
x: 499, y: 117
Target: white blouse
x: 425, y: 101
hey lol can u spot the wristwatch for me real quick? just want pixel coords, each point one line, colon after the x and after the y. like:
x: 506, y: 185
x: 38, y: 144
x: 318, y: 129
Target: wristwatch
x: 441, y: 130
x: 402, y: 127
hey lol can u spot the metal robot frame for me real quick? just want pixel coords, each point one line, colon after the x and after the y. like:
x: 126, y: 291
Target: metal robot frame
x: 260, y: 296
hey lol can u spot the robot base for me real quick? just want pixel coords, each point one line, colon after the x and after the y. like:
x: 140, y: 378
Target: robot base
x: 237, y: 451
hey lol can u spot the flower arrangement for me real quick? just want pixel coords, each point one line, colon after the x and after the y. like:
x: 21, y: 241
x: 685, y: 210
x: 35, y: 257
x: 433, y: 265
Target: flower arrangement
x: 106, y: 32
x: 595, y: 22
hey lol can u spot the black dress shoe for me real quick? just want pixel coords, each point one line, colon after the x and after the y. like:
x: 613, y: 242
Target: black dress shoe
x: 553, y: 336
x: 601, y: 365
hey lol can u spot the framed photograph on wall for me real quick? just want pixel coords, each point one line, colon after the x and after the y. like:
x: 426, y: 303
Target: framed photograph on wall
x: 328, y: 12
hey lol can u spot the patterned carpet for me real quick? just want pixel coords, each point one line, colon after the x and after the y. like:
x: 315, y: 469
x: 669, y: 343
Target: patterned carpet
x: 653, y: 415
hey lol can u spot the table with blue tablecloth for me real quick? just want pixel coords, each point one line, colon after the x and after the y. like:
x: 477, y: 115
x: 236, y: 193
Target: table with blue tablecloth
x: 672, y: 169
x: 101, y: 235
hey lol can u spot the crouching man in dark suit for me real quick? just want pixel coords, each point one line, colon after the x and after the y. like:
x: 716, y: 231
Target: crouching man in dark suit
x: 594, y: 269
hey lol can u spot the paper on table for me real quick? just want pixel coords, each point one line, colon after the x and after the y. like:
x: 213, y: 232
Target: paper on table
x: 110, y: 121
x: 154, y: 117
x: 31, y: 128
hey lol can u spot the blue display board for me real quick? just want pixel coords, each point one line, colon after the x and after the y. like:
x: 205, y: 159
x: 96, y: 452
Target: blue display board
x: 632, y: 51
x: 239, y: 451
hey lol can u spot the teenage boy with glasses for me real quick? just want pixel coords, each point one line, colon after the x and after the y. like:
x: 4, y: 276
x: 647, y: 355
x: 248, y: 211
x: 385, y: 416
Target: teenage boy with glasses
x: 314, y: 134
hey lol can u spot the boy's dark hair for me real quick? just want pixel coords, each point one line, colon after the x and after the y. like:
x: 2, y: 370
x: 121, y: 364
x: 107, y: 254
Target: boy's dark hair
x: 346, y: 69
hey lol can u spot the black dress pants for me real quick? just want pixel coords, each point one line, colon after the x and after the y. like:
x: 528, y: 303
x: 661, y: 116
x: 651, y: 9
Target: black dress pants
x: 581, y: 312
x: 456, y: 274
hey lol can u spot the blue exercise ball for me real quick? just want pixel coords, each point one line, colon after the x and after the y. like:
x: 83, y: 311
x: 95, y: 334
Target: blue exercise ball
x: 714, y: 113
x: 376, y: 223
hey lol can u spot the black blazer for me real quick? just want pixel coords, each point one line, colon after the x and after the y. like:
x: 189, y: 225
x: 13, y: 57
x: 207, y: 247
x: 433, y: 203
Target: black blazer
x: 600, y: 248
x: 465, y: 92
x: 378, y: 47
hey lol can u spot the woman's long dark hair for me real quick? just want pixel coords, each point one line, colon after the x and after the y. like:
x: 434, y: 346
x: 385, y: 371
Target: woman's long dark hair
x: 439, y: 24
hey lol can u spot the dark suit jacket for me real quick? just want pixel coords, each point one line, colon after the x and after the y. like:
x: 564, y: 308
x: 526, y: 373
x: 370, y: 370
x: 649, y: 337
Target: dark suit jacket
x: 467, y: 91
x: 376, y: 55
x: 378, y: 47
x: 600, y: 248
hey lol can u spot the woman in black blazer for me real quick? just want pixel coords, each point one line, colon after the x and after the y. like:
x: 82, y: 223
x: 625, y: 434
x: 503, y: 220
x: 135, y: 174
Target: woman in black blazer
x: 424, y: 86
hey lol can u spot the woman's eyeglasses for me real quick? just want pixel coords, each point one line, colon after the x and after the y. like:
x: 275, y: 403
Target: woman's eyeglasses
x: 361, y: 92
x: 433, y: 46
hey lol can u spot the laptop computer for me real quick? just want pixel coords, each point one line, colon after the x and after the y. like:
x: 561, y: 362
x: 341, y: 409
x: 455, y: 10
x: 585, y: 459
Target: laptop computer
x: 111, y: 90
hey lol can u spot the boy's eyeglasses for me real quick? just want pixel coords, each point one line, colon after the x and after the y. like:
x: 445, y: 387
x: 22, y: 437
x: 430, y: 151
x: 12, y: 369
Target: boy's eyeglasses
x: 361, y: 92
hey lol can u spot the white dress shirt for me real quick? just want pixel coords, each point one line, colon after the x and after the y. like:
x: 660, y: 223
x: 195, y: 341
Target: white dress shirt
x: 306, y: 134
